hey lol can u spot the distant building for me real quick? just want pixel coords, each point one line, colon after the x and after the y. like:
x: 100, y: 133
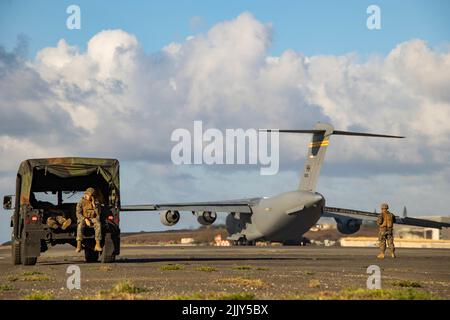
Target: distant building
x: 409, y: 236
x: 412, y: 232
x: 221, y: 243
x: 187, y: 240
x: 323, y: 226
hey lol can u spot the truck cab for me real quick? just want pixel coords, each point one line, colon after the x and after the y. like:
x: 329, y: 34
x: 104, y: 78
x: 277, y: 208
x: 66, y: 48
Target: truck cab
x: 53, y: 186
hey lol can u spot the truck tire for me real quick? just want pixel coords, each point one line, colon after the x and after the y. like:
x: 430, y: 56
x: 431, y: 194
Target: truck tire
x: 26, y: 261
x: 109, y: 251
x: 291, y: 243
x: 15, y: 252
x: 90, y: 255
x: 29, y: 261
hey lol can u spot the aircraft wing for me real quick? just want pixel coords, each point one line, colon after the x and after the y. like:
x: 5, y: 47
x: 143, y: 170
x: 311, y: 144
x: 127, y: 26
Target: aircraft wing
x: 240, y: 205
x: 364, y: 215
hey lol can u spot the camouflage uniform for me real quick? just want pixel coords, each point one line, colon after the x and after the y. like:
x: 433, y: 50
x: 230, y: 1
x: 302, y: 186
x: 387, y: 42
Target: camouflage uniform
x: 386, y: 228
x: 85, y: 209
x: 57, y: 220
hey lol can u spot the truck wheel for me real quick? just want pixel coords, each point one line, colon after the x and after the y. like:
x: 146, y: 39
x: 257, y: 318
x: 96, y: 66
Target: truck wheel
x: 29, y: 261
x: 90, y: 255
x: 109, y: 251
x: 291, y: 243
x: 15, y: 252
x: 26, y: 261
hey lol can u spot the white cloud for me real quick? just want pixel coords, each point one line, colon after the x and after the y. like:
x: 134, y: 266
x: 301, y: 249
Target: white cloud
x: 115, y: 100
x: 114, y: 92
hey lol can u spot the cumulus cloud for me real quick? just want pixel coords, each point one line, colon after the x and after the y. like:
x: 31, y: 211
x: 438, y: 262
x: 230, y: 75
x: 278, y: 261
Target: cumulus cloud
x: 116, y: 100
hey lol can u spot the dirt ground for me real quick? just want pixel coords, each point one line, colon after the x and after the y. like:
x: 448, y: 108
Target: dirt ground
x: 193, y: 272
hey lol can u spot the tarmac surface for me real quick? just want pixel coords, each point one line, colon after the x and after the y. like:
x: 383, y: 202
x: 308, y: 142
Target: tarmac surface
x: 151, y: 272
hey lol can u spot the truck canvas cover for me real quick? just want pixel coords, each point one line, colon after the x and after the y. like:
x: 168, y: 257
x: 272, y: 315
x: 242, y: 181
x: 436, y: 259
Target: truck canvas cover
x: 72, y: 167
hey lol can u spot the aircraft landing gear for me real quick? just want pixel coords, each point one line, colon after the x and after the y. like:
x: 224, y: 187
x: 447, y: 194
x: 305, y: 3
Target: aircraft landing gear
x: 244, y: 242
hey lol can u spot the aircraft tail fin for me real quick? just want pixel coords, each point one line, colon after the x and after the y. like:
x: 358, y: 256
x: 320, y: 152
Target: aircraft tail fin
x: 317, y: 149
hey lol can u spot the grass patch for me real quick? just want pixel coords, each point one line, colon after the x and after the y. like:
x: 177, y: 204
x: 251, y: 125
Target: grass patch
x: 256, y: 283
x: 127, y: 287
x: 5, y: 287
x: 172, y: 266
x: 105, y: 268
x: 12, y: 278
x: 243, y: 267
x: 406, y: 284
x: 29, y: 276
x: 36, y: 278
x: 32, y: 273
x: 215, y: 296
x: 206, y: 269
x: 39, y: 295
x: 122, y: 291
x: 366, y: 294
x: 262, y: 268
x: 313, y: 283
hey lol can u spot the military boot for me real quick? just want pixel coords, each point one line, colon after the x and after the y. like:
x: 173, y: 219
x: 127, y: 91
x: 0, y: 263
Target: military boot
x: 78, y: 249
x: 52, y: 223
x: 98, y: 247
x: 380, y: 255
x: 66, y: 224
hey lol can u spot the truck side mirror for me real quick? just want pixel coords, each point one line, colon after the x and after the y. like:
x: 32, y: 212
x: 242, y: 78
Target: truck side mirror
x: 8, y: 202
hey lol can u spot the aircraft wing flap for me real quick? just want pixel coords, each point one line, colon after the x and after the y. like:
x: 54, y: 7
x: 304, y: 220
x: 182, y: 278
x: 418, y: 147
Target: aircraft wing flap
x: 348, y: 215
x: 333, y: 212
x: 241, y: 205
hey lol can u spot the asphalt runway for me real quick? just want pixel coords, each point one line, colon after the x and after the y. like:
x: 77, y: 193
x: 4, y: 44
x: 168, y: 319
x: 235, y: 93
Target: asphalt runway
x: 214, y: 272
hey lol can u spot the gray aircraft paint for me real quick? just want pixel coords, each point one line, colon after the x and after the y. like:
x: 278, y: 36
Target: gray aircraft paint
x: 315, y: 157
x: 287, y: 216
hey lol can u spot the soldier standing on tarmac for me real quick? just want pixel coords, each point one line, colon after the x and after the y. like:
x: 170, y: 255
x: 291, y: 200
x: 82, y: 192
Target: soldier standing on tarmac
x: 386, y: 224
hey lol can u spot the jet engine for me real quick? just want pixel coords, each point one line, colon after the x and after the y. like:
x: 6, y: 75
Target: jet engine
x: 169, y: 217
x: 206, y: 218
x: 348, y: 226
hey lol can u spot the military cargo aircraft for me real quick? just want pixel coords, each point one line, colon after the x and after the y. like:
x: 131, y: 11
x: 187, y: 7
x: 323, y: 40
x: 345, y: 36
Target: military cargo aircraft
x: 287, y: 216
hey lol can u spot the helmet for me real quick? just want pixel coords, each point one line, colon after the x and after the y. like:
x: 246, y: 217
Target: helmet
x: 90, y: 191
x: 384, y: 206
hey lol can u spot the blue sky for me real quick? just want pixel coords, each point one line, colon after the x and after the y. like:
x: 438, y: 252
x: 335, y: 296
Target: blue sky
x: 311, y: 27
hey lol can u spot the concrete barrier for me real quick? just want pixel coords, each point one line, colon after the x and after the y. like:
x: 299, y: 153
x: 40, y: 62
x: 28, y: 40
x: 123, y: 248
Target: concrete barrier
x: 399, y: 243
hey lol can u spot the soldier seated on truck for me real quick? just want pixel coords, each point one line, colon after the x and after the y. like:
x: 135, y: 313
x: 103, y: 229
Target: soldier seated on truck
x: 55, y: 218
x: 88, y: 214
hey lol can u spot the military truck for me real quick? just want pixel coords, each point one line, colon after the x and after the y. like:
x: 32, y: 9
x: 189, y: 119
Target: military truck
x: 46, y: 186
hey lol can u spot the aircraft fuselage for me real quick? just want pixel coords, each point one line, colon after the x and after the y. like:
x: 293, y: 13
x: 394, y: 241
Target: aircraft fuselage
x: 286, y: 216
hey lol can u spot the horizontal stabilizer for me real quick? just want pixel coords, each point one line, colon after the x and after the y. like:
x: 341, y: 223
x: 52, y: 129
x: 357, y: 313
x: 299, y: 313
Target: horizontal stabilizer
x: 321, y: 134
x: 361, y: 134
x: 336, y: 132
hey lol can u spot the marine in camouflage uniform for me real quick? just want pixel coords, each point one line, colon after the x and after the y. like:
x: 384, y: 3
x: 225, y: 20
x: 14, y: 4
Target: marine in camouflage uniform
x: 88, y: 214
x: 386, y: 224
x: 56, y: 218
